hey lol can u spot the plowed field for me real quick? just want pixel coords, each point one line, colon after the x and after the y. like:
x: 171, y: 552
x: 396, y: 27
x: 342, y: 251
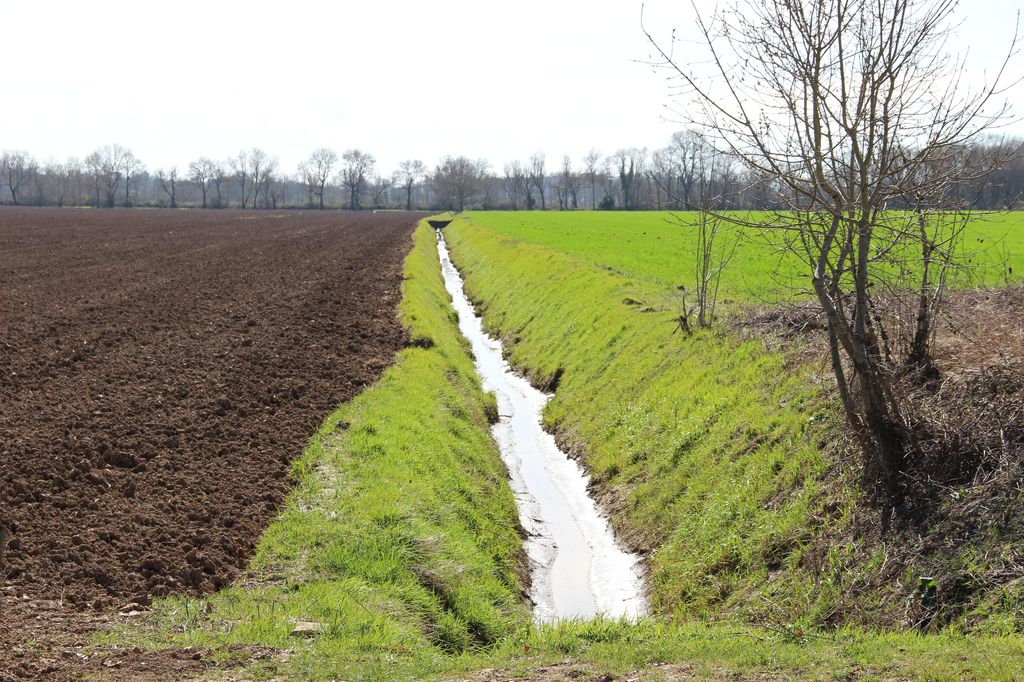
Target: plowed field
x: 158, y: 372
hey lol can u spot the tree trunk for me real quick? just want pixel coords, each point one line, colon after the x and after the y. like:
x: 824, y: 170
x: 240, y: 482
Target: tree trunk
x: 874, y: 414
x: 920, y: 352
x: 887, y: 432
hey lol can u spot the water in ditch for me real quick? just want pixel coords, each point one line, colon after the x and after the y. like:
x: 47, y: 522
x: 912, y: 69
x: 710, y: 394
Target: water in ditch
x: 578, y: 570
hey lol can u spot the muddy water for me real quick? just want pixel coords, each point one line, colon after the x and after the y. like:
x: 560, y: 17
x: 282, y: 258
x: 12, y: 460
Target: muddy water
x: 578, y: 570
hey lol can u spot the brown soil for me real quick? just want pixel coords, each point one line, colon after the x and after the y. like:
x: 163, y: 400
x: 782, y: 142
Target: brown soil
x: 159, y: 370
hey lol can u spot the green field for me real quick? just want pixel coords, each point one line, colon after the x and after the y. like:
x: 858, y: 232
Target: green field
x: 400, y: 542
x: 657, y: 246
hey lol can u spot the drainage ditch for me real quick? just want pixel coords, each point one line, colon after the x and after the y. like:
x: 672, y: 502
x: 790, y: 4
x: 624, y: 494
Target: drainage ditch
x: 578, y: 569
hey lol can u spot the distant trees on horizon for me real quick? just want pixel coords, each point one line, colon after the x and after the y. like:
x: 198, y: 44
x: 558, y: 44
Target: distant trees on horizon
x: 686, y: 173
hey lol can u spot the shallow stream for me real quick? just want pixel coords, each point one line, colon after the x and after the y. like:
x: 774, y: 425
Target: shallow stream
x: 578, y: 569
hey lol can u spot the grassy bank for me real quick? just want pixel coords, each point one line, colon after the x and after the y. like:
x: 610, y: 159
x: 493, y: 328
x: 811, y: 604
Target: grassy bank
x: 717, y: 455
x: 705, y: 448
x: 400, y: 543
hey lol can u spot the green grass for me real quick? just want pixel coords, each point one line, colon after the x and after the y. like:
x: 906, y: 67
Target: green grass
x: 716, y: 651
x: 707, y: 445
x: 715, y: 453
x: 401, y: 541
x: 652, y: 245
x: 401, y: 538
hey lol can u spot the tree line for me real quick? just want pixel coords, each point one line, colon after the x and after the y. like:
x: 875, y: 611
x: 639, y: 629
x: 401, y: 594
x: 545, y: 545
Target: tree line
x: 687, y: 173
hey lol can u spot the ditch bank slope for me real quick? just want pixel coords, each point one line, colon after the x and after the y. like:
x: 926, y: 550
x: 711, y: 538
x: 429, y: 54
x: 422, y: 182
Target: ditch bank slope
x: 719, y: 458
x: 400, y: 545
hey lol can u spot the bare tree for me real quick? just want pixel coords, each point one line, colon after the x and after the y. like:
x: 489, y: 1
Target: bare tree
x: 104, y: 166
x: 308, y: 179
x: 715, y: 249
x: 242, y: 175
x: 408, y: 174
x: 608, y: 185
x: 527, y: 187
x: 59, y: 175
x: 517, y: 183
x: 458, y: 179
x: 131, y: 166
x: 942, y: 213
x: 1003, y: 189
x: 201, y: 173
x: 662, y: 172
x: 252, y: 171
x: 18, y: 168
x: 318, y: 170
x: 681, y: 172
x: 218, y: 179
x: 630, y: 165
x: 168, y: 180
x: 261, y: 169
x: 380, y: 191
x: 590, y: 166
x: 274, y: 186
x: 686, y: 149
x: 569, y: 185
x: 490, y: 187
x: 76, y: 180
x: 357, y: 165
x: 537, y: 177
x: 256, y: 174
x: 92, y: 166
x: 841, y: 103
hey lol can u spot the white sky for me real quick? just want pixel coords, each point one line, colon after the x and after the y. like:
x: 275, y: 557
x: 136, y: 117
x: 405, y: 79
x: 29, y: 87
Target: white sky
x: 399, y: 79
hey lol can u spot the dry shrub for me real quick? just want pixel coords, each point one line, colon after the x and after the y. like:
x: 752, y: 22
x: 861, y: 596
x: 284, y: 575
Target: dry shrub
x: 965, y: 468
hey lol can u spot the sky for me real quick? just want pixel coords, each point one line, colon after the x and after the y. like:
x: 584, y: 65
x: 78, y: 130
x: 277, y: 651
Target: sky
x: 400, y: 79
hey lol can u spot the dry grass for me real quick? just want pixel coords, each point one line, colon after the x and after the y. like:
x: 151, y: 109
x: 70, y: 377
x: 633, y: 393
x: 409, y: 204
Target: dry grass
x: 965, y: 479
